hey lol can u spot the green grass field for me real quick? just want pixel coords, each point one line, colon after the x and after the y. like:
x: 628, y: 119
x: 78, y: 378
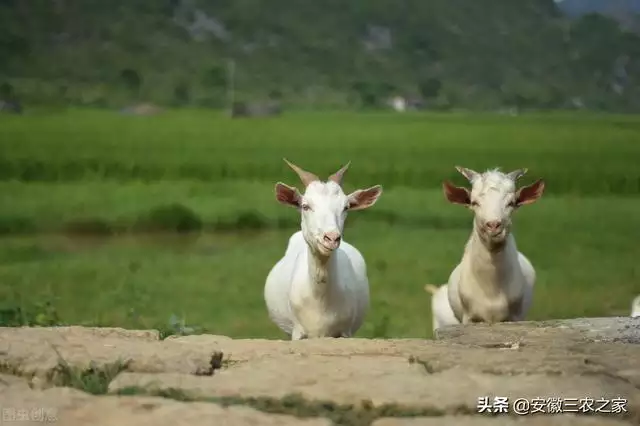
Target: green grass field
x: 123, y: 221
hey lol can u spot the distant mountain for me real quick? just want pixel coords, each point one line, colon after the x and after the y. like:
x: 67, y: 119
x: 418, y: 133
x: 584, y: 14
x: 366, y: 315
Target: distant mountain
x: 581, y: 7
x: 320, y: 53
x: 624, y: 11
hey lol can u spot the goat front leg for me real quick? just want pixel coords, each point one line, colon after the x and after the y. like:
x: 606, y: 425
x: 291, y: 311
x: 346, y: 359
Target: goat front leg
x: 471, y: 319
x: 298, y: 333
x: 517, y: 309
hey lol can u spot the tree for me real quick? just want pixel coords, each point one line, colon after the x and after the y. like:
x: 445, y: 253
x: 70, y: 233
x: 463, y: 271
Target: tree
x: 131, y: 81
x: 430, y: 88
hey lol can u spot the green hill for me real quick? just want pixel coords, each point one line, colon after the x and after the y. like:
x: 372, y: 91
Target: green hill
x: 326, y: 53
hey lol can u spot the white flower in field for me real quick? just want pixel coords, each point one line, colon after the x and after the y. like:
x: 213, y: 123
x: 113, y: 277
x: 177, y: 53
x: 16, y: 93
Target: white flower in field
x: 179, y: 325
x: 174, y: 321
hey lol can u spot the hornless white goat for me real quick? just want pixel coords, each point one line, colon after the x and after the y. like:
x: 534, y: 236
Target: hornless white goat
x: 320, y: 287
x: 635, y: 307
x: 494, y: 281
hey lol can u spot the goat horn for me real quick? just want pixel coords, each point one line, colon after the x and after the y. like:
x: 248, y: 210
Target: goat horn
x: 470, y: 174
x: 337, y: 176
x: 517, y: 174
x: 305, y: 176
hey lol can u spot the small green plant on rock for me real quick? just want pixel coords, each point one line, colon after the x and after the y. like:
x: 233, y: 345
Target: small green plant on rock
x: 94, y: 380
x: 38, y: 314
x: 177, y: 327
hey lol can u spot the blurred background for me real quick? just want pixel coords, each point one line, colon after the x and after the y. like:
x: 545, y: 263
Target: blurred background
x: 140, y: 142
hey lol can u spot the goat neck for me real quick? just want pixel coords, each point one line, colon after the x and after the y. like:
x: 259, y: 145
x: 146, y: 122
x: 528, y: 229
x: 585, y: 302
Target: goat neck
x: 492, y: 264
x: 321, y: 272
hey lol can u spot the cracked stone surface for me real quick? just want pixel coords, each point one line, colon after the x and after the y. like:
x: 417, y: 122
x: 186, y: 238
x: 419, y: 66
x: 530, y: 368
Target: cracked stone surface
x: 439, y: 380
x: 558, y: 420
x: 608, y: 329
x: 65, y: 406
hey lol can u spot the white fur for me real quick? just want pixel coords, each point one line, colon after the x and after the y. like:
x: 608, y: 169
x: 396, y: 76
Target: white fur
x: 315, y: 291
x: 490, y: 282
x: 635, y: 307
x: 494, y: 281
x: 440, y: 307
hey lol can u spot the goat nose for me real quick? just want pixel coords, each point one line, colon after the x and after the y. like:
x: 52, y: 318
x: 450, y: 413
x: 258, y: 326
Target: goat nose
x: 493, y: 225
x: 332, y: 237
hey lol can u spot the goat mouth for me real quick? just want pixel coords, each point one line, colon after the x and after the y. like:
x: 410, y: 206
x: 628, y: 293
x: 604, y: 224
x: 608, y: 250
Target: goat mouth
x: 325, y: 248
x: 496, y: 236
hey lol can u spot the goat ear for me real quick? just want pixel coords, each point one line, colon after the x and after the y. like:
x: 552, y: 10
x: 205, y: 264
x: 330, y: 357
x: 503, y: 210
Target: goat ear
x: 529, y: 194
x: 456, y: 194
x: 364, y: 198
x: 287, y: 195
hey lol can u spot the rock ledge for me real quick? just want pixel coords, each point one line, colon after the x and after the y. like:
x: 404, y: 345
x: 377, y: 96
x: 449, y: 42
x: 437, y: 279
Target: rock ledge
x: 572, y: 372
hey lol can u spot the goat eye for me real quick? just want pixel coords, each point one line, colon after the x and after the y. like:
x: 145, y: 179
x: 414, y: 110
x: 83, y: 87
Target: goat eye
x: 306, y: 207
x: 512, y: 204
x: 345, y: 208
x: 474, y: 203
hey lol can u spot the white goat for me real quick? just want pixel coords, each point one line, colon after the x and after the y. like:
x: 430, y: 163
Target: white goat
x: 494, y: 281
x: 320, y: 287
x: 635, y: 307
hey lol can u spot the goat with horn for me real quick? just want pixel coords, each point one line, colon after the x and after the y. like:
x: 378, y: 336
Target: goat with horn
x: 319, y: 288
x: 494, y: 281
